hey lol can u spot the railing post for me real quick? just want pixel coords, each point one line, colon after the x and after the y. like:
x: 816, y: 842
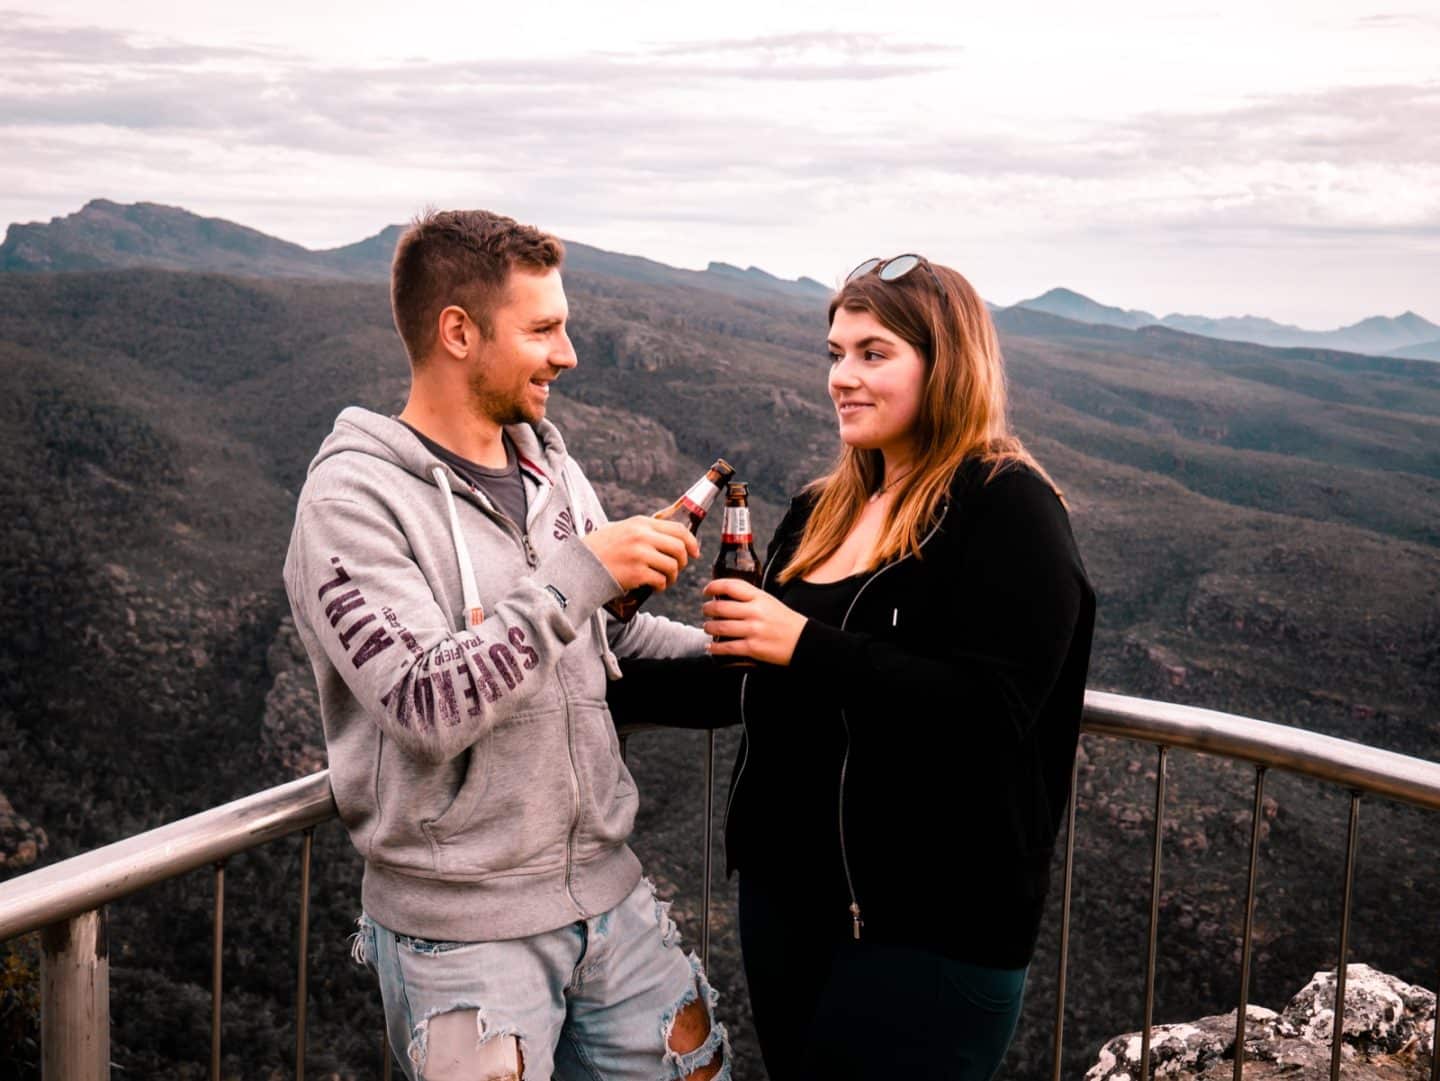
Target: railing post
x: 302, y: 980
x: 217, y: 956
x: 1059, y: 1033
x: 1154, y: 916
x: 1242, y: 1012
x: 1338, y: 1033
x: 75, y: 999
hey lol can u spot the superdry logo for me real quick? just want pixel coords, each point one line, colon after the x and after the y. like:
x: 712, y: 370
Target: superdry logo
x: 426, y: 693
x: 341, y: 605
x: 565, y: 524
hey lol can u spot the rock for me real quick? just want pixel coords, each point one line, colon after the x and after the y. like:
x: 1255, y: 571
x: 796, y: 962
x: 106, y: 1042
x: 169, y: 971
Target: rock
x: 1382, y: 1013
x: 1389, y: 1034
x: 292, y: 738
x: 1176, y: 1049
x: 21, y: 843
x: 286, y: 651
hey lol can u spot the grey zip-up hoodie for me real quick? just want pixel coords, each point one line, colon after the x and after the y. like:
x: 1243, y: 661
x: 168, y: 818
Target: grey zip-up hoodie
x: 462, y: 661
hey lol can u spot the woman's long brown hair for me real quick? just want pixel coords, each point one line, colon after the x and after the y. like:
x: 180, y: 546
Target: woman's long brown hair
x: 963, y: 414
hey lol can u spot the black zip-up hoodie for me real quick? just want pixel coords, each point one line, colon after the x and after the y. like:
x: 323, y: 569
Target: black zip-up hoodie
x: 957, y: 679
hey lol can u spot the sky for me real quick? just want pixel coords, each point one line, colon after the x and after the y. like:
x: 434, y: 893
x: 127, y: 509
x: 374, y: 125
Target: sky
x: 1270, y: 158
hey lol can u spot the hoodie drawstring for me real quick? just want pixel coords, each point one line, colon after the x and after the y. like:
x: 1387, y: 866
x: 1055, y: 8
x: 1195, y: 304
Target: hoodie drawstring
x: 473, y: 612
x: 612, y: 664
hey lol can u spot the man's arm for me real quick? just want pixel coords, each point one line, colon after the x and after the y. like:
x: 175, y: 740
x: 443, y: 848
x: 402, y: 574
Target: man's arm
x: 645, y: 635
x: 431, y: 688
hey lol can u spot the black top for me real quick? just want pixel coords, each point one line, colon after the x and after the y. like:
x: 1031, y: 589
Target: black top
x: 798, y: 751
x: 504, y: 487
x: 956, y: 683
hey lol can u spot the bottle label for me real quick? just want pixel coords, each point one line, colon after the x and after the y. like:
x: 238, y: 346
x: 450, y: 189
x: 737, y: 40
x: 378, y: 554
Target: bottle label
x: 701, y: 494
x: 736, y: 527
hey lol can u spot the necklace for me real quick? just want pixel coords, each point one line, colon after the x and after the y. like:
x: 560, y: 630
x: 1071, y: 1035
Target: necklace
x: 888, y: 485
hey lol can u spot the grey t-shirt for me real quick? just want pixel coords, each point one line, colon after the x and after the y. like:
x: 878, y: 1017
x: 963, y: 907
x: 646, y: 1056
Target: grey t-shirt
x: 505, y: 487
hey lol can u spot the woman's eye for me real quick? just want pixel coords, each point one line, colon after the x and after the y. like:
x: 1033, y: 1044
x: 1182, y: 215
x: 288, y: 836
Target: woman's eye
x: 870, y: 354
x: 832, y: 355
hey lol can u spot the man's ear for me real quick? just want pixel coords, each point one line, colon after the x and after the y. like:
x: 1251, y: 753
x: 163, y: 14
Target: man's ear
x: 456, y: 332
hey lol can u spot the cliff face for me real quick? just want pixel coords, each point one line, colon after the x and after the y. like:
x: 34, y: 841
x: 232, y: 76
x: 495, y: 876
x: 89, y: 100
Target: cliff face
x: 1389, y: 1035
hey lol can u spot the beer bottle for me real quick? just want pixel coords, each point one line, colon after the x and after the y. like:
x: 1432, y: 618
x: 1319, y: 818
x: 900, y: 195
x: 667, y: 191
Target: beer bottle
x: 737, y: 551
x: 695, y: 503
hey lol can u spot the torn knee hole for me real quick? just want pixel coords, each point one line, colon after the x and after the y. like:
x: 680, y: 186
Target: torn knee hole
x: 692, y: 1025
x: 460, y: 1045
x: 696, y: 1043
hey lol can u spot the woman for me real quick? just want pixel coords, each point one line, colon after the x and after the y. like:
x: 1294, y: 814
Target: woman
x: 924, y: 626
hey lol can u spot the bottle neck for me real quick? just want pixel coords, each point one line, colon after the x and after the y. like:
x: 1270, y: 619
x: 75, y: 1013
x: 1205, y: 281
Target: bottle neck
x: 698, y: 499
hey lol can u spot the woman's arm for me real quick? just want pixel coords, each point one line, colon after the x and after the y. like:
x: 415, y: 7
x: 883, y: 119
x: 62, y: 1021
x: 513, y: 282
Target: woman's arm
x: 689, y: 692
x: 1016, y: 596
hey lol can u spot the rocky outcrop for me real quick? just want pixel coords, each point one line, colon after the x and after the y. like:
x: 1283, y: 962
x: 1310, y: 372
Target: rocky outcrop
x: 21, y: 843
x: 617, y: 446
x: 1389, y: 1034
x: 293, y: 741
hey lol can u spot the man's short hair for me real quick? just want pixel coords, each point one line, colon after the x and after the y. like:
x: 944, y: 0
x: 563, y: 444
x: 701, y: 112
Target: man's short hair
x: 461, y: 257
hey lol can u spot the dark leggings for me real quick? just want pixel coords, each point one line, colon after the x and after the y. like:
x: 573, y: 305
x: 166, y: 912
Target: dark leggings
x: 829, y: 1007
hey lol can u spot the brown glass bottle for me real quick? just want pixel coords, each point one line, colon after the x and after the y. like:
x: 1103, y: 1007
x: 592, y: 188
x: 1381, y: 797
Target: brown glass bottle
x: 737, y: 557
x: 694, y: 505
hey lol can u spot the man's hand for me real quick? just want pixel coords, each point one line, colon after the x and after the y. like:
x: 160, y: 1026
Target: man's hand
x: 759, y: 625
x: 643, y: 551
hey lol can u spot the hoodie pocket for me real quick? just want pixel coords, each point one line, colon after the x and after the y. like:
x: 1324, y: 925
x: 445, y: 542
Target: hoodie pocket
x: 609, y: 798
x: 516, y: 816
x: 472, y: 785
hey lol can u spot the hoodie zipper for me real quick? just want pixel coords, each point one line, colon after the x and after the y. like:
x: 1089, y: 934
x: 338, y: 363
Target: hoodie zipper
x: 744, y: 682
x: 532, y: 561
x: 845, y: 720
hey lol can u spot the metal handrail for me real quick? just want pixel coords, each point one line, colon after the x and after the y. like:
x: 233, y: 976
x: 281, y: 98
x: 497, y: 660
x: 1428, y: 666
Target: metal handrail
x: 96, y: 878
x: 1326, y: 758
x: 76, y: 889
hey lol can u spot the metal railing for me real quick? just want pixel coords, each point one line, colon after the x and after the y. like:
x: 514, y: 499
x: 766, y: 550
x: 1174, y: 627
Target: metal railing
x: 67, y: 900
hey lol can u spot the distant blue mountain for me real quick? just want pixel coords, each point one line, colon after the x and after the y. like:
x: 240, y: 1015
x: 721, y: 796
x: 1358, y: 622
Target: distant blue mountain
x: 1069, y: 304
x: 1406, y: 335
x: 1423, y: 351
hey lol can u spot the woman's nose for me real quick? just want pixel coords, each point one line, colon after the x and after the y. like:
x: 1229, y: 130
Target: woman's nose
x: 842, y: 373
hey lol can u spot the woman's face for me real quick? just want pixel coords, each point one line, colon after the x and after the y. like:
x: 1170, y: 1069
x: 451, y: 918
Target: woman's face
x: 876, y: 383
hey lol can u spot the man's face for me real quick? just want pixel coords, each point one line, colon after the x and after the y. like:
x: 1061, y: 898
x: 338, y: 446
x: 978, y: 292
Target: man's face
x: 510, y: 374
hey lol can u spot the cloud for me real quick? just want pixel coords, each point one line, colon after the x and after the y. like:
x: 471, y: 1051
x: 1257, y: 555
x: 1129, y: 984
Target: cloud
x: 30, y: 42
x: 690, y: 132
x: 1397, y: 20
x: 854, y: 45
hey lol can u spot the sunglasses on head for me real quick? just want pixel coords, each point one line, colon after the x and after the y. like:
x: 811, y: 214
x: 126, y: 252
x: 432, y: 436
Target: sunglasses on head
x: 896, y: 267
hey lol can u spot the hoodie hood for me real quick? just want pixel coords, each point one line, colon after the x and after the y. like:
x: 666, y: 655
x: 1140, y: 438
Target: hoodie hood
x: 364, y: 431
x: 539, y: 448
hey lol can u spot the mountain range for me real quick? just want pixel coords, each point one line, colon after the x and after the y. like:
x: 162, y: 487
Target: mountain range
x: 105, y: 235
x: 1408, y: 335
x: 1262, y: 527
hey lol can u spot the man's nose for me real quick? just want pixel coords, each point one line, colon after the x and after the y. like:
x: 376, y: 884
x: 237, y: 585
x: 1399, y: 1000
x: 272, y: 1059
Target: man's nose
x: 563, y: 356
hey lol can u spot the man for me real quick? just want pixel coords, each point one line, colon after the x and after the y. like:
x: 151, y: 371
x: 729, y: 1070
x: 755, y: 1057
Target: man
x: 447, y: 571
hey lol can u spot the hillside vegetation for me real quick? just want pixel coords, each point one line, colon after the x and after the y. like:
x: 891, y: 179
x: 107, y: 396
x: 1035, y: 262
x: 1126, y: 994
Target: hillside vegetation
x: 1262, y: 527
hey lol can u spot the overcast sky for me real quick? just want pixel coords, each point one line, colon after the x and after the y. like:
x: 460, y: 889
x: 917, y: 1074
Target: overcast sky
x: 1281, y: 159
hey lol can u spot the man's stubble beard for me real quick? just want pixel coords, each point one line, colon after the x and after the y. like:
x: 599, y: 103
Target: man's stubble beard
x: 487, y: 403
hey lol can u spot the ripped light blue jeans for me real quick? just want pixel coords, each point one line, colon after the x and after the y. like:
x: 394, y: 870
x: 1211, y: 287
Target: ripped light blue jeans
x: 593, y: 1000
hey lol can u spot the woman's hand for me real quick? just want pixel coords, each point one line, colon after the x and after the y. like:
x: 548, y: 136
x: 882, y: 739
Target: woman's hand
x: 762, y: 627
